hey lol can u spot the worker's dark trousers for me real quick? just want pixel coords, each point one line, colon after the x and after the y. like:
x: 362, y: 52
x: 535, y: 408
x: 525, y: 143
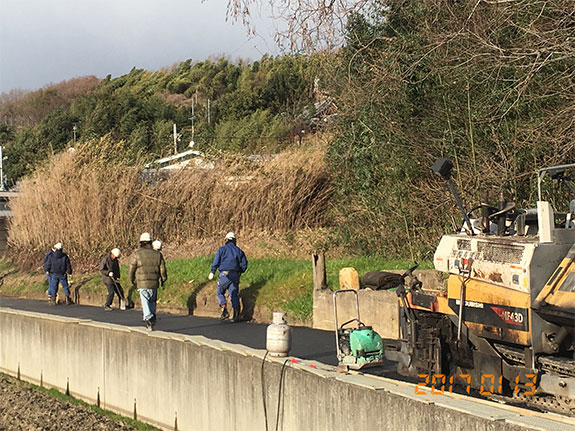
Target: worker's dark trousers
x: 111, y: 291
x: 53, y: 284
x: 230, y: 281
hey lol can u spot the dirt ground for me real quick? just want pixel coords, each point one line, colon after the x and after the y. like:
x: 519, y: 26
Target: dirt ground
x: 24, y: 408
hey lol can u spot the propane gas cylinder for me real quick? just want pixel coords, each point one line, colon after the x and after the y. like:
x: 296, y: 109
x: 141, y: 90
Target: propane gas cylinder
x: 278, y: 336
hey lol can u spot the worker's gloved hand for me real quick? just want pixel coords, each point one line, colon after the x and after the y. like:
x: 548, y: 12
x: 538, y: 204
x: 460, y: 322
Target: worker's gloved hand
x: 211, y: 276
x: 47, y: 274
x: 111, y: 274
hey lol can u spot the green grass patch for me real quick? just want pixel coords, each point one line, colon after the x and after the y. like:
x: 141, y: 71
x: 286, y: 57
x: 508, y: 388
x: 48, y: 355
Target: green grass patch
x: 275, y: 284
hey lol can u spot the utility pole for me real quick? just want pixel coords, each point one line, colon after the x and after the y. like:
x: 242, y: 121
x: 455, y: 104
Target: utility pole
x: 175, y: 139
x: 1, y: 168
x: 208, y: 112
x: 193, y: 116
x: 194, y: 101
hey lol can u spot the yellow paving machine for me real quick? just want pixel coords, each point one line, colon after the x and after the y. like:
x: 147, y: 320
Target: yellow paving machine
x: 504, y: 323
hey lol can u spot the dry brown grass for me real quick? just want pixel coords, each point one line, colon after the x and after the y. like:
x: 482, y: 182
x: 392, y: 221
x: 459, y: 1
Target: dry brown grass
x: 91, y: 204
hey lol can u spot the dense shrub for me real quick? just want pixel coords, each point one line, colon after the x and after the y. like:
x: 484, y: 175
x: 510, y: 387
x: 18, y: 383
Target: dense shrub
x: 92, y: 202
x: 486, y: 84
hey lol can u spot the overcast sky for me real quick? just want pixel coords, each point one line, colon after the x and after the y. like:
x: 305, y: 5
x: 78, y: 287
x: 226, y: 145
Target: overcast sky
x: 48, y: 41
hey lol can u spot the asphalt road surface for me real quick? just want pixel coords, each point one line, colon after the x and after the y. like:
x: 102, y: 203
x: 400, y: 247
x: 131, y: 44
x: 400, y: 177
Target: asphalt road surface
x: 307, y: 343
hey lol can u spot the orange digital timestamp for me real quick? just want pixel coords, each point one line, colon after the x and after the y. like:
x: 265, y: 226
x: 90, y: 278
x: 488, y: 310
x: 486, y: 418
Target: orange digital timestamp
x: 489, y: 384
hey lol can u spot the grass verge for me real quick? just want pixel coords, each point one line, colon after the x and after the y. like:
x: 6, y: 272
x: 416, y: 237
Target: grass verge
x: 272, y: 284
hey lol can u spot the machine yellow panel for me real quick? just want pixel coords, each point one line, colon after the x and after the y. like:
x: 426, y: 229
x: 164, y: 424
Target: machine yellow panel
x: 559, y: 291
x: 492, y: 311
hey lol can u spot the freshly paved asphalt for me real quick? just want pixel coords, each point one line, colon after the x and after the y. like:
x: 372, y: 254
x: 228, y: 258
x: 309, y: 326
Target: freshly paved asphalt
x: 307, y: 343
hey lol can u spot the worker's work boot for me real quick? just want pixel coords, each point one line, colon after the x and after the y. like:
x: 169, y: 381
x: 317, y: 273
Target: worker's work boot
x: 149, y: 325
x: 225, y: 313
x: 69, y: 300
x: 236, y: 316
x: 52, y: 300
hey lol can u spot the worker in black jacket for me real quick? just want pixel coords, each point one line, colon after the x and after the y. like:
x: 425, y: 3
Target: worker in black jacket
x: 46, y: 257
x: 57, y: 265
x: 110, y: 270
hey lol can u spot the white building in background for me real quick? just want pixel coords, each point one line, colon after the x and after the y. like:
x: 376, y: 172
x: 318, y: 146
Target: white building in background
x: 186, y: 159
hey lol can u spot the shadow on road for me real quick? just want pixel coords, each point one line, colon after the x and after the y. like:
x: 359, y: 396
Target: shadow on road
x: 191, y: 302
x: 248, y: 297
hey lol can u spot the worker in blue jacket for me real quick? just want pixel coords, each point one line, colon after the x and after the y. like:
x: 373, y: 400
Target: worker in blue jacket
x: 232, y: 262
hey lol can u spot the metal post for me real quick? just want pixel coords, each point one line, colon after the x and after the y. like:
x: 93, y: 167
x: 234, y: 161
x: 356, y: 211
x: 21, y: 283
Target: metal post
x: 460, y: 205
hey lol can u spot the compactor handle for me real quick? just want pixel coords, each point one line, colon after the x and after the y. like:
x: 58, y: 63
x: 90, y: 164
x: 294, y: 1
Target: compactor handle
x: 337, y: 327
x: 340, y: 291
x: 359, y: 323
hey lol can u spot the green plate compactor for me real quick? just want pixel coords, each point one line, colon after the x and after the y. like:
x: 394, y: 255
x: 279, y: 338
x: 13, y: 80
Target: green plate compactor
x: 357, y: 347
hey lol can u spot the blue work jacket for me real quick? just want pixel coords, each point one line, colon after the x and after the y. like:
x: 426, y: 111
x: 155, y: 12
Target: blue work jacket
x: 58, y: 263
x: 230, y: 258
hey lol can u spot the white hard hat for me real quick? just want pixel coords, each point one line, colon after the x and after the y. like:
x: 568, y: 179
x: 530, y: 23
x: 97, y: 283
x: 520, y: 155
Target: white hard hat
x: 230, y: 236
x: 157, y: 245
x: 58, y: 246
x: 116, y: 252
x: 145, y: 237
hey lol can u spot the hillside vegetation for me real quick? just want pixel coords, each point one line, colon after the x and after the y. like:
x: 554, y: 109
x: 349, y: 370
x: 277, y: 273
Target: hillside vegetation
x: 236, y: 107
x: 487, y: 84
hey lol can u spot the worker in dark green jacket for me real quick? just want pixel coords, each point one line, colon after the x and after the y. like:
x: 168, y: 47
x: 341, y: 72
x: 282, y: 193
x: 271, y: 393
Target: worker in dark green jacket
x: 147, y: 271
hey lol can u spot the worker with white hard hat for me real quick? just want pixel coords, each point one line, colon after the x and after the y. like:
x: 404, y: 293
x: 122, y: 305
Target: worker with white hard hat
x: 147, y: 271
x: 110, y: 270
x: 231, y: 261
x: 57, y: 267
x: 46, y: 257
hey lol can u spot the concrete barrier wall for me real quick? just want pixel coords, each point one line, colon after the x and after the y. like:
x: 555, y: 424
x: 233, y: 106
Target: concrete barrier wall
x: 377, y: 308
x: 200, y: 384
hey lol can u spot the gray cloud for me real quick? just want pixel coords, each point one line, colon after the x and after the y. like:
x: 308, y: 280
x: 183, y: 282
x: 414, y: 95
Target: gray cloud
x: 44, y: 42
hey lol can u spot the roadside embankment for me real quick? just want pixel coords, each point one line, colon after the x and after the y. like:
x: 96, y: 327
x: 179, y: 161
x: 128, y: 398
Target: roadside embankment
x: 270, y: 284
